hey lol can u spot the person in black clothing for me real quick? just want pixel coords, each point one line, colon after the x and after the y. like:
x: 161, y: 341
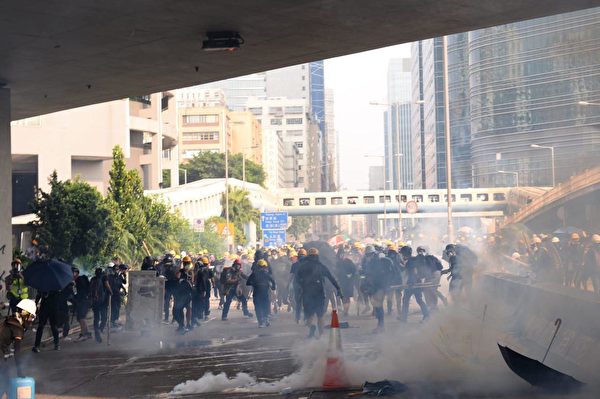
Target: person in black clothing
x: 117, y: 281
x: 295, y: 287
x: 258, y: 255
x: 148, y: 264
x: 310, y: 277
x: 378, y: 273
x: 346, y: 273
x: 261, y: 281
x: 432, y: 268
x: 167, y: 269
x: 99, y: 296
x: 231, y: 280
x: 67, y: 295
x: 82, y: 303
x: 395, y: 279
x: 462, y: 264
x: 365, y: 291
x: 49, y: 308
x: 202, y: 288
x: 182, y: 297
x: 415, y: 269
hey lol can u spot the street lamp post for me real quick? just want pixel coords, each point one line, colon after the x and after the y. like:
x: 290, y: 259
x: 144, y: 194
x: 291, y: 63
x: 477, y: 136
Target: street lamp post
x: 547, y: 147
x: 516, y: 174
x: 400, y: 232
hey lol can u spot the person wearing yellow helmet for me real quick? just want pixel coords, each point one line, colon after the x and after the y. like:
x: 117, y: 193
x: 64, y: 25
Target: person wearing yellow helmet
x: 573, y: 261
x: 261, y: 282
x: 294, y: 287
x: 202, y: 286
x: 310, y: 277
x: 231, y: 288
x: 12, y: 332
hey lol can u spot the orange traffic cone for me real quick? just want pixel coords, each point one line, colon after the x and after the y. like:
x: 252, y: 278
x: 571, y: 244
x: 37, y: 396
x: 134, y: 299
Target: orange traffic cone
x: 335, y: 376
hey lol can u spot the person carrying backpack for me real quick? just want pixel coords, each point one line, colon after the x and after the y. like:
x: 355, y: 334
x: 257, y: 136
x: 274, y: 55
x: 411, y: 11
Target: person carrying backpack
x: 99, y: 295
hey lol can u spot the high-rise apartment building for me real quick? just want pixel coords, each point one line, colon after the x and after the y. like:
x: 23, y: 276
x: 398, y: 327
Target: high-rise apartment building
x: 333, y: 157
x: 246, y: 133
x: 238, y: 90
x: 288, y: 118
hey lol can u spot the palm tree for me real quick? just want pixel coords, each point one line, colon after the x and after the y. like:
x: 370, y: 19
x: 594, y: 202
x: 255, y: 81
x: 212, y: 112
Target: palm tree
x: 241, y: 211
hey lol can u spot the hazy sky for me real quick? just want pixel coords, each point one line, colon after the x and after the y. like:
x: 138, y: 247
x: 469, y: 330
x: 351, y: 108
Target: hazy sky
x: 356, y: 80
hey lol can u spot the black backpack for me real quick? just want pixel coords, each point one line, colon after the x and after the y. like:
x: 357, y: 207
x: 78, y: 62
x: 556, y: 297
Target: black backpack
x: 97, y: 290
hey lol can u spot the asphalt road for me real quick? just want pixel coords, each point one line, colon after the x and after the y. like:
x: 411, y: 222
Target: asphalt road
x: 152, y: 365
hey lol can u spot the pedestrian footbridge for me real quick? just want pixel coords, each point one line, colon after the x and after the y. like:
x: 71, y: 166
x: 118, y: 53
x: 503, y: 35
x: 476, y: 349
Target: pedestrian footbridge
x: 202, y: 199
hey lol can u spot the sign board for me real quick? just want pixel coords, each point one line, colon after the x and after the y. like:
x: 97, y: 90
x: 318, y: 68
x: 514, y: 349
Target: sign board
x: 412, y: 207
x: 274, y: 238
x: 274, y: 220
x: 198, y: 225
x: 222, y: 229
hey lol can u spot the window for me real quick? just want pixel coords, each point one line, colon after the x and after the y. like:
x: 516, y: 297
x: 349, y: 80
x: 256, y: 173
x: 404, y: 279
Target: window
x: 482, y: 197
x: 255, y: 110
x: 276, y: 122
x: 294, y: 109
x: 446, y: 198
x: 320, y: 201
x: 466, y: 197
x: 304, y: 201
x: 417, y: 198
x: 499, y: 197
x: 295, y: 133
x: 276, y: 110
x: 434, y: 198
x: 336, y: 201
x: 383, y: 199
x: 288, y: 202
x: 369, y: 200
x: 352, y: 200
x: 201, y: 136
x: 190, y: 153
x: 293, y: 121
x: 200, y: 119
x: 299, y: 144
x: 403, y: 198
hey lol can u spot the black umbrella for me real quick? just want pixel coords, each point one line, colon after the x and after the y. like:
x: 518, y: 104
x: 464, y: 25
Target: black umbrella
x: 48, y: 275
x: 537, y: 373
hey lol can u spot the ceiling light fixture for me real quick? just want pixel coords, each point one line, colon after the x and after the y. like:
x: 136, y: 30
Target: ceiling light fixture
x: 222, y: 41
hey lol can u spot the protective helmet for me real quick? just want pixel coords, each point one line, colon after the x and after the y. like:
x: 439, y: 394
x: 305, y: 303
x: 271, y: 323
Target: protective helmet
x: 204, y: 260
x: 172, y: 252
x: 421, y: 249
x: 187, y: 259
x: 302, y: 252
x: 392, y: 247
x: 262, y: 263
x: 537, y: 240
x: 450, y: 248
x: 75, y: 269
x: 575, y: 237
x: 516, y: 255
x: 27, y: 305
x: 313, y: 251
x: 555, y: 240
x: 293, y: 254
x: 596, y: 238
x: 369, y: 249
x: 406, y: 251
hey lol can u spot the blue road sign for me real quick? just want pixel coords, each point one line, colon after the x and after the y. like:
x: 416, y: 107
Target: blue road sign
x: 274, y: 220
x: 274, y: 238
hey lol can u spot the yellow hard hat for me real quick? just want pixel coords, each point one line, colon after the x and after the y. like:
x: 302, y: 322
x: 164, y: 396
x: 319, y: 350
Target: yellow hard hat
x: 596, y: 238
x: 205, y: 251
x: 575, y: 237
x: 177, y: 257
x: 187, y: 259
x: 263, y: 263
x: 204, y: 260
x: 302, y: 252
x: 172, y: 252
x: 293, y: 253
x: 392, y: 247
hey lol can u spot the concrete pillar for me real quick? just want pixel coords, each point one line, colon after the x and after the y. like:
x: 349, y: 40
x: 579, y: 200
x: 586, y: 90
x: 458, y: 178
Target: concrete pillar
x: 6, y: 243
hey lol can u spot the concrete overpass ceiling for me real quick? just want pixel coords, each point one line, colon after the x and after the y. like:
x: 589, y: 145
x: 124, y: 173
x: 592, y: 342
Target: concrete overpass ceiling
x: 56, y: 55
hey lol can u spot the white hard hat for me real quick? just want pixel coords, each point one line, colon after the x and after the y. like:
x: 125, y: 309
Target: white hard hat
x: 555, y: 240
x: 183, y: 254
x: 27, y: 305
x: 516, y: 255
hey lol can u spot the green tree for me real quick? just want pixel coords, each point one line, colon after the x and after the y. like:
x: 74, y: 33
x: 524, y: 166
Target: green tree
x: 73, y: 220
x: 241, y: 212
x: 210, y: 165
x: 300, y: 226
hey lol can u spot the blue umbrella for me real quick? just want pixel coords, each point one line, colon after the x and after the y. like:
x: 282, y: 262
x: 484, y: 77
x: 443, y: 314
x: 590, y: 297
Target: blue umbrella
x: 48, y: 275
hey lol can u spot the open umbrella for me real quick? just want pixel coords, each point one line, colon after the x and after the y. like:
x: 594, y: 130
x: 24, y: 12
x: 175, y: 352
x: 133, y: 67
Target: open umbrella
x: 48, y: 275
x: 537, y: 373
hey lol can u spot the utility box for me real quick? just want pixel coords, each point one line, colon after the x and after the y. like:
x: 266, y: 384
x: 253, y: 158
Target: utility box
x: 145, y: 299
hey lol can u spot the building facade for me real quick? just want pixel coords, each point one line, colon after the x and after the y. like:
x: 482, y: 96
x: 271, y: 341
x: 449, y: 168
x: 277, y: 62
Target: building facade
x: 79, y: 142
x: 246, y: 132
